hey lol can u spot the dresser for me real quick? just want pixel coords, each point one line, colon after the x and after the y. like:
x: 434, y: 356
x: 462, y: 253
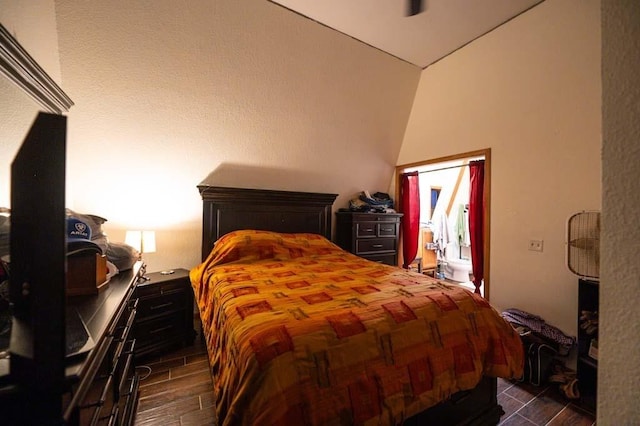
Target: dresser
x: 373, y: 236
x: 100, y: 384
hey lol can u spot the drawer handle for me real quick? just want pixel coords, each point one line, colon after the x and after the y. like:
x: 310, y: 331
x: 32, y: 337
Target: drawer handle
x: 124, y: 376
x: 133, y: 304
x: 377, y: 245
x: 386, y: 229
x: 163, y: 305
x: 161, y: 329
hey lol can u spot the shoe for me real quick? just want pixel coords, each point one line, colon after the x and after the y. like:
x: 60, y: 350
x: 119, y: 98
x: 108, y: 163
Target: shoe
x: 561, y: 374
x: 570, y: 389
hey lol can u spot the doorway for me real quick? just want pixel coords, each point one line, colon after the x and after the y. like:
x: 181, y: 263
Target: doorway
x: 444, y: 192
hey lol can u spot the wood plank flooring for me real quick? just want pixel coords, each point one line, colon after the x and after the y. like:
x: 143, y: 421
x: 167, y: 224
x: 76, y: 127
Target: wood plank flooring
x: 177, y: 391
x: 525, y: 404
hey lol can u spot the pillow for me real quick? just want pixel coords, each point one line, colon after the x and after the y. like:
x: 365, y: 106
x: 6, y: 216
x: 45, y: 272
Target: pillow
x: 253, y: 245
x: 122, y: 255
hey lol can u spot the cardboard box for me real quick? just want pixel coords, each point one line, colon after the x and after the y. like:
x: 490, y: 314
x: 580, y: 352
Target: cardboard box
x: 86, y: 274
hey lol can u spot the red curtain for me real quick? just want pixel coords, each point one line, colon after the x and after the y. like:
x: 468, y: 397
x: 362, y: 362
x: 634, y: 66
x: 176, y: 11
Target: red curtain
x: 410, y: 195
x: 476, y: 220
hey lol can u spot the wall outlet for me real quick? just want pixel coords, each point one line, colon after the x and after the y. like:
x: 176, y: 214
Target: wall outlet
x: 535, y: 245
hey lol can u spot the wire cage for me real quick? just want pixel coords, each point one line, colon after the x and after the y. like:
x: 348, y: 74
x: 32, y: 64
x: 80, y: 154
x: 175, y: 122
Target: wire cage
x: 583, y: 244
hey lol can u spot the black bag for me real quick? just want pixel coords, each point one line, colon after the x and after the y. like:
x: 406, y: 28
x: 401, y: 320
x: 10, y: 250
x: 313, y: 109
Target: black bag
x: 538, y: 362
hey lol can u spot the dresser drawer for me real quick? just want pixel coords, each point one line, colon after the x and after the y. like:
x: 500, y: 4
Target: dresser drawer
x: 387, y: 259
x: 373, y: 217
x: 110, y: 389
x: 387, y: 229
x: 375, y: 245
x: 374, y: 229
x: 366, y: 229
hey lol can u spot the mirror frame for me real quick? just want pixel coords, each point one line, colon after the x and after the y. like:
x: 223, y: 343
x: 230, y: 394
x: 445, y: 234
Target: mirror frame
x: 23, y: 70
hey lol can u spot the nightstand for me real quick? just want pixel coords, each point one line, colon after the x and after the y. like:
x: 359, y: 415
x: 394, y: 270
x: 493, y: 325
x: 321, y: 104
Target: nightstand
x: 165, y: 312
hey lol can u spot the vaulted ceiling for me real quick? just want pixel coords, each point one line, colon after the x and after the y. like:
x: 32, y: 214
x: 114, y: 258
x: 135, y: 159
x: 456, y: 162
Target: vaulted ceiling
x: 442, y: 27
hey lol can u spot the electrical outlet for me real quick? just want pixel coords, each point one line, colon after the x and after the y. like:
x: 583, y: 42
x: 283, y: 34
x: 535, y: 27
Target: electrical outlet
x: 535, y: 245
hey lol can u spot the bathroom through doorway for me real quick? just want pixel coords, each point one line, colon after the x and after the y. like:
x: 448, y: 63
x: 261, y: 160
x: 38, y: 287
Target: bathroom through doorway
x: 444, y: 248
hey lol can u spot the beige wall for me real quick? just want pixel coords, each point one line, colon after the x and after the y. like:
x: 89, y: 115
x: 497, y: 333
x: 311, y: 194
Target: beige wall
x: 245, y: 92
x: 530, y: 91
x: 619, y: 366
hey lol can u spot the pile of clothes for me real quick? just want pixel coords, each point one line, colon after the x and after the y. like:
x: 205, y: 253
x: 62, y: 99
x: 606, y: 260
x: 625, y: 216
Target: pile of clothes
x: 379, y: 202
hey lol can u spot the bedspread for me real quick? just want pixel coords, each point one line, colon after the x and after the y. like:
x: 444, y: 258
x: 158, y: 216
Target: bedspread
x: 299, y: 332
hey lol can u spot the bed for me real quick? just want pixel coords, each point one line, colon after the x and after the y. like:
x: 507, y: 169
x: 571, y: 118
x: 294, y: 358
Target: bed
x: 299, y: 331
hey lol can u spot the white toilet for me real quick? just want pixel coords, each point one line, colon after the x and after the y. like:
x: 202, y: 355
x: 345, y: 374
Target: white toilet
x: 458, y: 270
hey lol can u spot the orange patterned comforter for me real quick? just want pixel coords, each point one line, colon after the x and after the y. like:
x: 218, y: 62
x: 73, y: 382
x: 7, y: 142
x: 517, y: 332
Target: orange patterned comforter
x: 301, y: 332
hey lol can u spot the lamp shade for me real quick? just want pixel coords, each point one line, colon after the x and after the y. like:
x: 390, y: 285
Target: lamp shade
x: 143, y: 241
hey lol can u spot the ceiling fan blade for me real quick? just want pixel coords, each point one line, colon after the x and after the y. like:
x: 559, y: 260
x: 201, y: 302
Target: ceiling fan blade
x: 415, y: 7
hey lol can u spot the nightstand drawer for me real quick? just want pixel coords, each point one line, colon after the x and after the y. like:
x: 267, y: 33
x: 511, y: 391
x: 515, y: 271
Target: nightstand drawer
x: 375, y: 245
x: 162, y: 328
x: 160, y: 332
x: 160, y: 305
x: 175, y: 285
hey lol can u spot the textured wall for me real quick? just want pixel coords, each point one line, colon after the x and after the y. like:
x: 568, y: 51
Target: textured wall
x: 244, y: 93
x: 619, y: 348
x: 530, y: 91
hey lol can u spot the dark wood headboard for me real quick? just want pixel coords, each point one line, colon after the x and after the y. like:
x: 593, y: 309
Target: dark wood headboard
x: 229, y: 209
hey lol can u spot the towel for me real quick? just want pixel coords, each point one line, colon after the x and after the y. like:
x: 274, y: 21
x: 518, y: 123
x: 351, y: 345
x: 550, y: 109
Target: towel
x: 441, y: 232
x: 462, y: 226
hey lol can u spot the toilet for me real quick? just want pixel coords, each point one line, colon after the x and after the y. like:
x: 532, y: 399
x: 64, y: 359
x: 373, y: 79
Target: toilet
x: 458, y: 270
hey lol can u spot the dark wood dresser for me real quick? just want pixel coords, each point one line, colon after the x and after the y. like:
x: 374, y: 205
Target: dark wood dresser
x: 373, y: 236
x: 101, y: 386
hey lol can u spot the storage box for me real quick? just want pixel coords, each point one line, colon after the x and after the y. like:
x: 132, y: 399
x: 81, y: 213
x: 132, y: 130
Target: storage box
x: 86, y: 274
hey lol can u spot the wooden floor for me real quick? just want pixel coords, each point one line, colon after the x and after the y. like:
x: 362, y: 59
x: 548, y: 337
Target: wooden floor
x: 177, y: 390
x: 525, y: 404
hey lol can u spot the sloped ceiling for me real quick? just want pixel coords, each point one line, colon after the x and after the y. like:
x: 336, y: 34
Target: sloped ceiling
x: 442, y: 27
